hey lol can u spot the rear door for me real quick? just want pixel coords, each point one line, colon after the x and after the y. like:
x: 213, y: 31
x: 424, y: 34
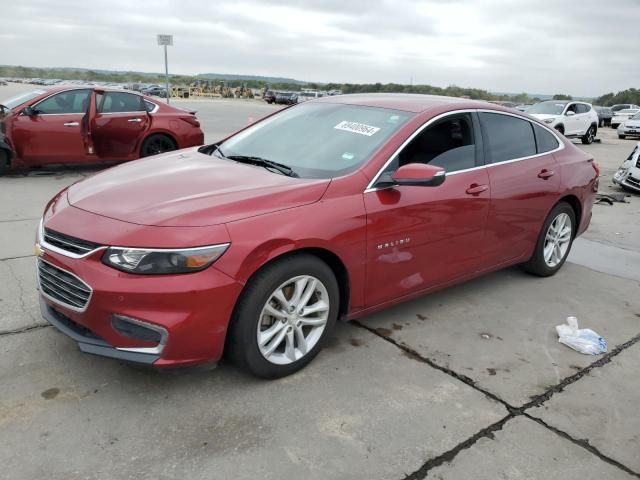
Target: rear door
x: 419, y: 237
x: 524, y: 181
x: 53, y: 134
x: 120, y: 123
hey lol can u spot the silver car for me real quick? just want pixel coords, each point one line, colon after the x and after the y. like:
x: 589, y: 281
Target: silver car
x: 628, y: 175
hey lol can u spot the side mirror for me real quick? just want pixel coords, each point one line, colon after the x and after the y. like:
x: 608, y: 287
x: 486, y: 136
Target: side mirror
x: 570, y: 113
x: 415, y: 175
x: 29, y: 111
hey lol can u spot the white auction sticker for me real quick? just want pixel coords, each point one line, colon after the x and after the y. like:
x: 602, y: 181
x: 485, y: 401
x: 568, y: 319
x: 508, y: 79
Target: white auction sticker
x: 355, y: 127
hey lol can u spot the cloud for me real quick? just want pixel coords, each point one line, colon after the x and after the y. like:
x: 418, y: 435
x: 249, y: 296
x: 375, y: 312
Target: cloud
x: 544, y: 46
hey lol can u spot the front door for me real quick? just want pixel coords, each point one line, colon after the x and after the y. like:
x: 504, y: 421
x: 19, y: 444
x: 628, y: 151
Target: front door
x: 119, y: 124
x: 419, y: 237
x: 53, y: 133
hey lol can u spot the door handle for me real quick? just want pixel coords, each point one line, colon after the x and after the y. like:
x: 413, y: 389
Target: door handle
x: 475, y: 189
x: 71, y: 124
x: 134, y: 120
x: 545, y: 174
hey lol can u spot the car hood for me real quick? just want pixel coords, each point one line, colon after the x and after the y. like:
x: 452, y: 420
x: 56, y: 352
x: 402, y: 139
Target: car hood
x: 632, y: 123
x: 190, y: 189
x: 543, y: 116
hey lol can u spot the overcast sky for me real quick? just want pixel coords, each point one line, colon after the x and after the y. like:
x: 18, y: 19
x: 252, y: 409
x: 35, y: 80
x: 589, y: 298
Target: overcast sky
x: 582, y: 47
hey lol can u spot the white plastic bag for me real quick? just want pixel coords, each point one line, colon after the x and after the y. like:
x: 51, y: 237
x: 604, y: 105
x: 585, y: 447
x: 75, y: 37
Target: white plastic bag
x: 584, y: 341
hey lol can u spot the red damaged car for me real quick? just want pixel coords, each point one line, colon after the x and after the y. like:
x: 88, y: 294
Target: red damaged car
x: 73, y: 125
x: 328, y: 210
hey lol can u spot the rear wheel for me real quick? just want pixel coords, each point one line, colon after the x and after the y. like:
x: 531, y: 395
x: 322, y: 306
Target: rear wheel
x: 588, y: 137
x: 4, y: 162
x: 554, y: 242
x: 156, y: 144
x: 283, y: 317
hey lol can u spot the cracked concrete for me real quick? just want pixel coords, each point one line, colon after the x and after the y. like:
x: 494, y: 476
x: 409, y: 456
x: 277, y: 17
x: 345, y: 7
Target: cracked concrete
x: 465, y: 383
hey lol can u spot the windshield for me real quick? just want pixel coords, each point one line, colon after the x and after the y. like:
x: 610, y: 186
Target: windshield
x: 615, y: 108
x: 627, y: 111
x: 636, y: 116
x: 547, y: 108
x: 19, y: 99
x: 318, y: 140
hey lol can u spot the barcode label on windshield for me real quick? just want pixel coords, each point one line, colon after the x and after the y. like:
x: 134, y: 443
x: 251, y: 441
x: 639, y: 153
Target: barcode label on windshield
x: 355, y: 127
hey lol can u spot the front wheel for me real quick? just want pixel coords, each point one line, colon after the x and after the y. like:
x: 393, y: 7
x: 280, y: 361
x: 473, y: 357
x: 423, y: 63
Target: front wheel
x: 588, y: 137
x: 156, y: 144
x: 554, y: 242
x: 280, y: 322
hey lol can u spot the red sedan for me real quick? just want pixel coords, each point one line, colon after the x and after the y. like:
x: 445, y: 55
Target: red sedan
x: 331, y: 209
x: 72, y: 125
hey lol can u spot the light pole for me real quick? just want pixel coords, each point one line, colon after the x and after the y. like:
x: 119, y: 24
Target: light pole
x: 166, y: 40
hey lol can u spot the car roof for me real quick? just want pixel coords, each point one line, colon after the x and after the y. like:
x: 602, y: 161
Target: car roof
x: 409, y: 102
x: 65, y: 88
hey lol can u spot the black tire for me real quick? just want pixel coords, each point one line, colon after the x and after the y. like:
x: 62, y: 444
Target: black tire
x: 242, y: 343
x: 600, y: 123
x: 622, y: 137
x: 587, y: 138
x: 537, y: 264
x: 4, y: 161
x: 156, y: 144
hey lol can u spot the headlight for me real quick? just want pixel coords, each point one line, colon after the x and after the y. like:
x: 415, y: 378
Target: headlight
x: 147, y: 261
x: 549, y: 120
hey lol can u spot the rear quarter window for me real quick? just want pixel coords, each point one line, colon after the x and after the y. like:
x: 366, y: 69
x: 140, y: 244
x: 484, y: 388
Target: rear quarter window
x: 545, y: 140
x: 508, y: 137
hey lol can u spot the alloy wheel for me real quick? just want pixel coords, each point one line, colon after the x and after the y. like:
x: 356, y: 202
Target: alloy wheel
x: 557, y: 240
x: 293, y: 319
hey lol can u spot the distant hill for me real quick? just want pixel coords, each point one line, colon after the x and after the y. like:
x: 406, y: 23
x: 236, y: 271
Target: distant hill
x: 229, y: 76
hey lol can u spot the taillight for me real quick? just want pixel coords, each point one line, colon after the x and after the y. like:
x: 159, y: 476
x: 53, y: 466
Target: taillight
x: 191, y: 121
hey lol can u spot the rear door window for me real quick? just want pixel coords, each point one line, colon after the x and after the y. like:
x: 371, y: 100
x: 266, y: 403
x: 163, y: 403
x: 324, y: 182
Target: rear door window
x: 508, y: 137
x: 581, y: 108
x: 120, y: 102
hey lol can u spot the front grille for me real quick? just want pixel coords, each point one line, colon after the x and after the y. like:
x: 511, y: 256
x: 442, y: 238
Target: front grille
x: 62, y: 287
x: 633, y: 181
x: 67, y: 243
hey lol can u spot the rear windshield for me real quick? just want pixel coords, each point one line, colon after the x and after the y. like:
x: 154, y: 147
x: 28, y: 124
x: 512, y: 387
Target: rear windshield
x: 22, y: 98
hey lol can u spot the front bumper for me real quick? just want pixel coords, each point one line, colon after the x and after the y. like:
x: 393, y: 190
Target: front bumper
x: 193, y: 309
x: 628, y: 179
x: 88, y: 342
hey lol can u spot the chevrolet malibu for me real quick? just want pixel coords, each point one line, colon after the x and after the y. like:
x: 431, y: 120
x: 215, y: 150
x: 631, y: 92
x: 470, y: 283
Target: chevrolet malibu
x: 73, y: 125
x: 331, y: 209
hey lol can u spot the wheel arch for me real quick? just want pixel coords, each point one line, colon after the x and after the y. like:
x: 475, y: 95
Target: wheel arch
x: 333, y: 261
x: 575, y: 204
x: 151, y: 133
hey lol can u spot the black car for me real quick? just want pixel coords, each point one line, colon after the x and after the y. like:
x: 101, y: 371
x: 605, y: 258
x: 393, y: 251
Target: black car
x: 604, y: 115
x: 269, y: 96
x: 286, y: 98
x: 156, y: 91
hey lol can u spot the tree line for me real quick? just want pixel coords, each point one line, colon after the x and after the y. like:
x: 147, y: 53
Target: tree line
x: 631, y: 95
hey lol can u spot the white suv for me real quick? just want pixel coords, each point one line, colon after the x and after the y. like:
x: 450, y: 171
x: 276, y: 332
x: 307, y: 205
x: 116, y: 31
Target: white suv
x: 572, y: 119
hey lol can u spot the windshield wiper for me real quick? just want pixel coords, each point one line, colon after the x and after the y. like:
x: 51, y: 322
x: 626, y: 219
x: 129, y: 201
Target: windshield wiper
x: 263, y: 162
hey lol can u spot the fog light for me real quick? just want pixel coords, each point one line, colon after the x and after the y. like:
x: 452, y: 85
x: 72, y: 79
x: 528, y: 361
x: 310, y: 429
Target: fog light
x: 138, y: 330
